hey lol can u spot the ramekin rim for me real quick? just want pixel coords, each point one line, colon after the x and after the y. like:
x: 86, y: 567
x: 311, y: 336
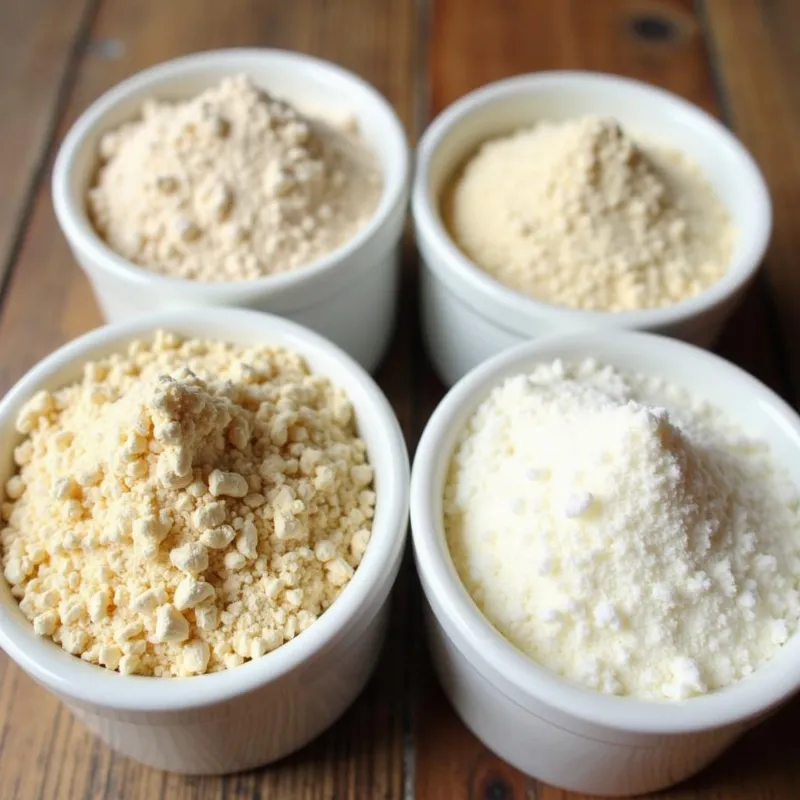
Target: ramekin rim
x: 471, y: 282
x: 92, y: 684
x: 531, y: 682
x: 79, y: 232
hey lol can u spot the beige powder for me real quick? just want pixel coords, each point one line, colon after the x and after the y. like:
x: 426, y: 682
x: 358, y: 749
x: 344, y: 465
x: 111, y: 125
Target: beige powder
x: 231, y: 185
x: 578, y: 214
x: 185, y: 507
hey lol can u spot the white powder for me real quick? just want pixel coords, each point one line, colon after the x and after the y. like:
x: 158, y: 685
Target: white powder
x: 578, y: 214
x: 636, y: 550
x: 231, y: 185
x: 171, y: 522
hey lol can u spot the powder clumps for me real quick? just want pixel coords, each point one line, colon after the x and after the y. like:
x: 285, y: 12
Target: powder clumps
x: 185, y: 507
x: 624, y: 533
x: 578, y: 214
x: 233, y: 184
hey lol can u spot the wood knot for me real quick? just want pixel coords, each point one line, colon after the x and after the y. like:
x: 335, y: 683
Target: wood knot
x: 494, y: 787
x: 653, y: 28
x: 660, y: 24
x: 491, y: 779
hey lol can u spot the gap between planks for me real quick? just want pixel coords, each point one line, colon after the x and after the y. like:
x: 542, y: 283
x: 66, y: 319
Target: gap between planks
x: 50, y: 139
x: 763, y: 285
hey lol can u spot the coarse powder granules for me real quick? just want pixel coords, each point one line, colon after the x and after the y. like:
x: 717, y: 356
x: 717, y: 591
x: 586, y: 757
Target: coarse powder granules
x: 231, y: 185
x: 636, y: 550
x: 577, y: 214
x: 185, y: 507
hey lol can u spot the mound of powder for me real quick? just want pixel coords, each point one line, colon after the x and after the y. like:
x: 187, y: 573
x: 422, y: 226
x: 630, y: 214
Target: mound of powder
x: 231, y: 185
x: 635, y: 550
x: 578, y: 214
x: 186, y: 507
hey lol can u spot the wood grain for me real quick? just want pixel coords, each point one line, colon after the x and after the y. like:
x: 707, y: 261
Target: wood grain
x: 761, y: 98
x: 472, y: 44
x: 38, y: 43
x: 43, y: 751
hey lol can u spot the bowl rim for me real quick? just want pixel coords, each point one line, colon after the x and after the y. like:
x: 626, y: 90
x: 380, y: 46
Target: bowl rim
x: 525, y: 682
x: 44, y: 660
x: 75, y: 224
x: 476, y: 286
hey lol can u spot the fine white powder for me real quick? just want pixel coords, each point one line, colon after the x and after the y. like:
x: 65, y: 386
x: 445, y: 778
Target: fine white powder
x: 623, y: 532
x: 231, y: 185
x: 579, y: 214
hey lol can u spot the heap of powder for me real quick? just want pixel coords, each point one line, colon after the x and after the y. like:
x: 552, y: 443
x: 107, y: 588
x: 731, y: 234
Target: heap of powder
x: 173, y: 520
x: 577, y: 214
x: 635, y: 550
x: 231, y: 185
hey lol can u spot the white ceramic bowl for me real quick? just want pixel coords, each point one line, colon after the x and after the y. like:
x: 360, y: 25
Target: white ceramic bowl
x: 348, y: 296
x: 468, y: 316
x: 260, y: 711
x: 541, y: 723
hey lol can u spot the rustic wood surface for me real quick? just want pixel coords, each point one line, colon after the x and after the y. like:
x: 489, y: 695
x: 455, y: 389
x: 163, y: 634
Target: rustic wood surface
x: 736, y: 58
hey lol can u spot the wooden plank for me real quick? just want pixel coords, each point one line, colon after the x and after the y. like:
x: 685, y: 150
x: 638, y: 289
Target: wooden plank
x: 662, y: 43
x: 760, y: 94
x: 43, y: 752
x: 579, y: 34
x: 37, y: 41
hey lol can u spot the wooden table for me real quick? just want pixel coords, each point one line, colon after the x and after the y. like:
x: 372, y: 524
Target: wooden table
x: 736, y: 58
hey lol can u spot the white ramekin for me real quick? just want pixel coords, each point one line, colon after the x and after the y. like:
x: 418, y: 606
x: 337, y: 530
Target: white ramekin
x: 545, y: 725
x: 468, y: 316
x: 264, y: 709
x: 348, y: 296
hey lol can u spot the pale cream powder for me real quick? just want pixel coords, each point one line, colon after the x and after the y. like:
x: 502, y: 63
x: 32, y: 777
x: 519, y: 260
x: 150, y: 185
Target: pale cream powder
x: 578, y: 214
x: 185, y: 507
x: 231, y: 185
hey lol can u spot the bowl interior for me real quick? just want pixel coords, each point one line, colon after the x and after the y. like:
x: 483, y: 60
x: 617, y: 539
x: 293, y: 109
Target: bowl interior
x: 756, y: 409
x: 377, y: 425
x: 316, y: 87
x: 643, y: 110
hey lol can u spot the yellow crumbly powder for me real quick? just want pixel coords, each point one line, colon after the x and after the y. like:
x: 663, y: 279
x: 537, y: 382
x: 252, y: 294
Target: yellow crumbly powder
x: 185, y: 507
x: 578, y: 214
